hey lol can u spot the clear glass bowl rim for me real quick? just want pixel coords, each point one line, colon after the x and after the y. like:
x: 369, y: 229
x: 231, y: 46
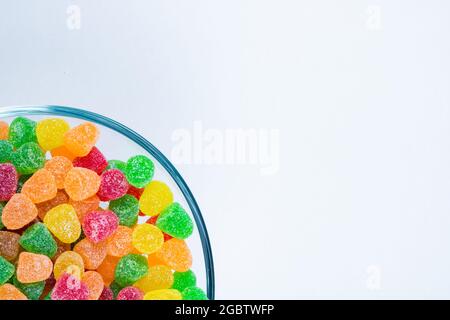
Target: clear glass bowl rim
x: 15, y: 111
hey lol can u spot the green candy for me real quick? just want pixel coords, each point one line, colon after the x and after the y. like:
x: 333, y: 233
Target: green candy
x: 6, y: 151
x: 38, y: 239
x: 117, y: 164
x: 29, y: 158
x: 183, y: 280
x: 1, y: 211
x: 194, y: 293
x: 33, y: 291
x: 21, y: 131
x: 127, y: 209
x: 130, y: 269
x: 7, y: 270
x: 175, y: 221
x: 21, y: 181
x: 139, y: 171
x: 115, y: 288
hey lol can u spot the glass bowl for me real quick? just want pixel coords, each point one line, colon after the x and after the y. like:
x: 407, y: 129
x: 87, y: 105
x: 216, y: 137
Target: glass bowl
x: 119, y: 142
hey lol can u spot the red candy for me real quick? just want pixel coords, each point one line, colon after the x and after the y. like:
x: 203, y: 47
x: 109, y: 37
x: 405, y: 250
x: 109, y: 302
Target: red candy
x: 94, y: 161
x: 152, y: 221
x: 113, y: 185
x: 135, y: 192
x: 130, y: 293
x: 99, y: 225
x: 8, y: 181
x: 69, y: 287
x: 107, y: 294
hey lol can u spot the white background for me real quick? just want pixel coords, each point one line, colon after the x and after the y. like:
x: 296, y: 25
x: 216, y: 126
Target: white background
x: 358, y: 91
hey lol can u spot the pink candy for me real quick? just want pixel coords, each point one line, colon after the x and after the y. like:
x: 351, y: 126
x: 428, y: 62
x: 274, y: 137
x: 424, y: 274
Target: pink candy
x: 107, y: 294
x: 113, y: 185
x: 130, y: 293
x: 8, y: 181
x: 69, y: 287
x: 94, y: 161
x: 99, y: 225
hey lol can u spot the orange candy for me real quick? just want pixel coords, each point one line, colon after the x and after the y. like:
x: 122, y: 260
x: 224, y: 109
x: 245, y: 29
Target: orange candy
x: 60, y: 198
x: 4, y: 128
x: 33, y: 267
x: 59, y: 167
x: 81, y: 139
x: 93, y: 254
x: 120, y: 243
x: 81, y: 183
x: 153, y: 260
x: 94, y: 281
x: 40, y: 187
x: 63, y: 152
x: 175, y: 254
x: 107, y: 269
x: 9, y: 292
x: 85, y: 206
x: 18, y: 212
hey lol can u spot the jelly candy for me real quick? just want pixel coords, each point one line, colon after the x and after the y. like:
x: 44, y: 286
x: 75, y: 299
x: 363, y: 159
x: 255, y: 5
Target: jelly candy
x: 153, y: 260
x: 50, y: 133
x: 194, y: 293
x: 147, y: 238
x: 1, y: 210
x: 6, y: 270
x: 107, y: 268
x: 113, y: 185
x: 8, y: 181
x: 65, y: 260
x: 152, y: 221
x: 130, y: 269
x: 29, y: 158
x: 135, y: 192
x: 33, y: 267
x: 130, y: 293
x: 158, y: 277
x: 93, y: 254
x: 68, y: 287
x: 139, y: 171
x: 59, y: 167
x: 4, y: 128
x: 183, y: 280
x: 63, y: 223
x: 9, y: 245
x: 32, y: 290
x: 84, y: 206
x: 127, y: 209
x: 6, y: 151
x: 115, y: 288
x: 120, y: 243
x: 94, y: 282
x: 94, y: 161
x: 21, y: 131
x: 81, y: 183
x: 175, y: 222
x: 116, y: 164
x: 37, y: 239
x: 63, y: 152
x: 18, y: 212
x: 99, y: 225
x: 155, y: 198
x: 107, y: 294
x: 44, y: 207
x: 40, y: 187
x: 81, y: 139
x: 175, y: 254
x: 163, y: 294
x: 9, y: 292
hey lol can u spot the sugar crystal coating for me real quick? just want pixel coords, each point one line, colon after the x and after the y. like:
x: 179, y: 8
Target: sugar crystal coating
x: 147, y: 238
x: 44, y: 207
x: 8, y: 181
x: 158, y: 277
x: 9, y: 245
x: 81, y: 139
x: 6, y: 151
x: 40, y: 187
x: 175, y: 221
x: 99, y: 225
x: 28, y: 158
x: 50, y: 133
x: 63, y: 223
x: 37, y: 239
x: 139, y: 171
x: 18, y: 212
x: 94, y: 161
x: 65, y: 260
x: 175, y: 254
x: 84, y: 206
x: 130, y: 269
x: 33, y: 267
x: 113, y: 185
x: 59, y: 167
x: 21, y: 131
x: 6, y: 270
x: 120, y: 243
x: 130, y: 293
x: 127, y: 209
x: 32, y: 291
x: 194, y: 293
x: 69, y: 288
x: 94, y: 282
x: 155, y: 198
x: 183, y: 280
x: 81, y: 183
x: 92, y: 253
x: 163, y: 294
x: 10, y: 292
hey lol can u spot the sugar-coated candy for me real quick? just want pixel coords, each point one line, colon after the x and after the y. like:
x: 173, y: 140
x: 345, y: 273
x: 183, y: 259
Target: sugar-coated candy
x: 6, y: 151
x: 33, y: 267
x: 22, y: 179
x: 81, y: 183
x: 92, y: 253
x: 40, y: 187
x: 4, y: 128
x: 21, y: 131
x: 158, y: 277
x: 135, y: 192
x: 6, y: 270
x: 120, y: 243
x: 155, y: 198
x: 139, y: 171
x: 10, y: 292
x: 175, y: 254
x: 107, y: 269
x: 193, y: 293
x: 68, y: 287
x: 65, y: 260
x: 8, y: 181
x: 152, y: 221
x: 33, y: 291
x: 175, y: 221
x: 81, y: 139
x: 37, y: 239
x: 18, y: 212
x: 94, y: 282
x: 107, y: 294
x: 9, y: 245
x: 63, y: 223
x: 163, y: 294
x: 94, y: 160
x: 59, y: 167
x: 113, y: 185
x: 154, y: 260
x: 115, y: 288
x: 117, y: 164
x: 74, y: 271
x: 63, y: 152
x: 183, y: 280
x: 28, y: 158
x: 130, y: 293
x: 50, y: 133
x: 147, y: 238
x: 99, y: 225
x: 44, y: 207
x: 1, y: 210
x: 84, y: 206
x: 127, y: 209
x: 130, y: 269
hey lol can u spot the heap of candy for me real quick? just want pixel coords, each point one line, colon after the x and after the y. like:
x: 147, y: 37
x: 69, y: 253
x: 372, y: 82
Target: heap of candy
x: 69, y: 220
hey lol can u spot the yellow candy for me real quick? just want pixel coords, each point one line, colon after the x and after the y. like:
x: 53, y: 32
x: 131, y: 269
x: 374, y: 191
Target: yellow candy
x: 74, y: 270
x: 158, y: 277
x: 63, y: 222
x: 70, y: 262
x: 147, y: 238
x: 155, y: 198
x: 164, y: 294
x: 50, y: 133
